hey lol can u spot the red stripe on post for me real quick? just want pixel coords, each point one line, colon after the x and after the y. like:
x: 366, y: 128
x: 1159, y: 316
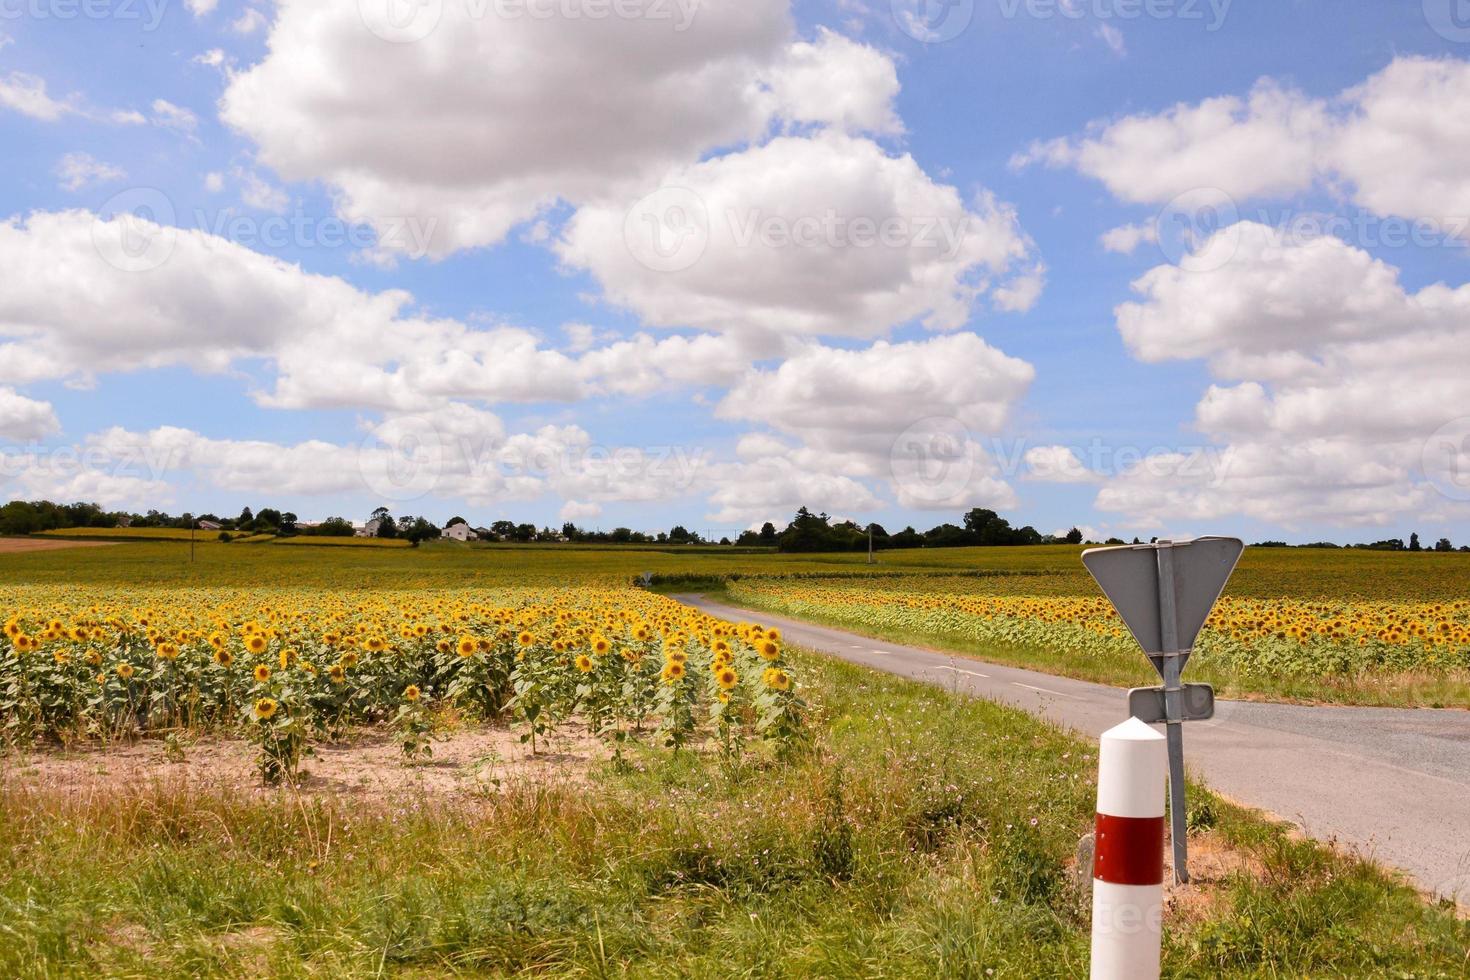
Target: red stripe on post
x: 1128, y: 850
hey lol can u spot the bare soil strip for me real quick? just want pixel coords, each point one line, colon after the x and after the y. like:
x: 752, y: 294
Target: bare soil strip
x: 14, y: 546
x: 369, y: 767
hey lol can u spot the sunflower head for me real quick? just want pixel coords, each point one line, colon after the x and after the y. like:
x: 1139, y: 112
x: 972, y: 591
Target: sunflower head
x: 584, y: 663
x: 262, y: 673
x: 125, y: 671
x: 468, y: 646
x: 411, y: 693
x: 265, y: 709
x: 727, y: 678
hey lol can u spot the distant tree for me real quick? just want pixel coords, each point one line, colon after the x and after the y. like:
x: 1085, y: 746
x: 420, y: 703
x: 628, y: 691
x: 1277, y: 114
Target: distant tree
x: 1443, y: 544
x: 386, y: 526
x: 768, y: 533
x: 948, y: 536
x: 244, y: 521
x: 19, y: 517
x: 525, y: 532
x: 334, y: 527
x: 1074, y: 536
x: 1114, y: 541
x: 456, y: 520
x: 570, y: 531
x: 806, y: 532
x: 418, y: 530
x: 986, y: 527
x: 679, y: 534
x: 288, y: 524
x: 504, y: 530
x: 1414, y: 544
x: 907, y: 538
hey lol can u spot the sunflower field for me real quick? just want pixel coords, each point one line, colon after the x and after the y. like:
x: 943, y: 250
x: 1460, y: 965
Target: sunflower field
x: 286, y: 666
x: 1246, y: 637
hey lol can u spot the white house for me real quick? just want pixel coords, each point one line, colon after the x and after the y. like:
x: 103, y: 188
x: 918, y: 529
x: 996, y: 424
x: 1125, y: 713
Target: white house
x: 459, y: 532
x: 370, y: 529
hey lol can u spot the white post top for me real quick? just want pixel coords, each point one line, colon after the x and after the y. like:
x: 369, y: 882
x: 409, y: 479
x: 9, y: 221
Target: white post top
x: 1134, y: 730
x: 1132, y: 763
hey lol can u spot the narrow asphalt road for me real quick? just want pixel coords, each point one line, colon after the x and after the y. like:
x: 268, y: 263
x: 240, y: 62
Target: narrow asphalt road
x: 1392, y: 783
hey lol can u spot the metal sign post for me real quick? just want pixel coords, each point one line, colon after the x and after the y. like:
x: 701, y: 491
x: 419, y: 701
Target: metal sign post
x: 1164, y: 592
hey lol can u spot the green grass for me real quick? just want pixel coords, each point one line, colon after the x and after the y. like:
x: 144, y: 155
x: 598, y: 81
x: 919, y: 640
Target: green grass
x: 923, y: 835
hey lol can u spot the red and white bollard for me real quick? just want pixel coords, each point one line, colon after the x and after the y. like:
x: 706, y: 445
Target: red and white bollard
x: 1128, y: 853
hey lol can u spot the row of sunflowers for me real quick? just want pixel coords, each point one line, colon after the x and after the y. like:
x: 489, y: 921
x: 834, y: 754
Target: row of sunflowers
x: 1249, y: 636
x: 288, y: 666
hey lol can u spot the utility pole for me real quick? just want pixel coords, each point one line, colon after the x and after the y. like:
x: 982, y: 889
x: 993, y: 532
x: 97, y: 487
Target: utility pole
x: 870, y: 543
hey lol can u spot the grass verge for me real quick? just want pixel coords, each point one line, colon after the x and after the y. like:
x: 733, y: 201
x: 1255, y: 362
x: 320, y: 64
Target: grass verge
x: 921, y: 835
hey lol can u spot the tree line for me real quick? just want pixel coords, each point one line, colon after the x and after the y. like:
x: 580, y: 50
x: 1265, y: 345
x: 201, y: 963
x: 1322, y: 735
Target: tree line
x: 806, y: 532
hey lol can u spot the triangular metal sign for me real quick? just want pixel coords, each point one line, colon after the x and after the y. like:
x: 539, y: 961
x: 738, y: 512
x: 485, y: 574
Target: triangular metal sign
x: 1129, y: 576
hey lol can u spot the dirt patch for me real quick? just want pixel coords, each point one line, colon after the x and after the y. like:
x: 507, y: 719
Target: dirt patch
x: 14, y: 546
x: 370, y: 766
x: 1213, y: 861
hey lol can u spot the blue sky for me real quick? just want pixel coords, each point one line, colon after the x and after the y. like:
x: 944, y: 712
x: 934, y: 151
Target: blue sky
x: 403, y: 268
